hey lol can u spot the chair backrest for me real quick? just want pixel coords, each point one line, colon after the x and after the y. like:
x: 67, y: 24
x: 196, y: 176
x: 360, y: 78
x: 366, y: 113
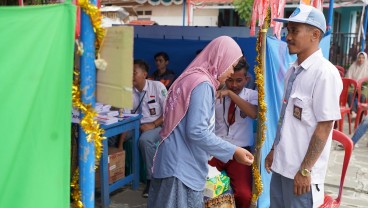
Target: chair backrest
x: 361, y: 87
x: 349, y: 85
x: 347, y: 143
x: 341, y: 70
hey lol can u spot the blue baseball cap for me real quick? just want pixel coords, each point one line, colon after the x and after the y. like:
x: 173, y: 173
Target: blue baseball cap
x: 307, y: 15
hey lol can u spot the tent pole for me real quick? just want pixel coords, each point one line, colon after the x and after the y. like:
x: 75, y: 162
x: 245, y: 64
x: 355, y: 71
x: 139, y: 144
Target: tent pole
x: 330, y: 17
x: 86, y: 149
x: 184, y: 5
x: 364, y: 29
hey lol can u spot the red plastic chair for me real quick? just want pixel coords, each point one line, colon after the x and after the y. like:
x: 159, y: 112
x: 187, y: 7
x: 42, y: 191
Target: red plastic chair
x: 344, y: 108
x: 362, y: 107
x: 341, y: 70
x: 347, y: 143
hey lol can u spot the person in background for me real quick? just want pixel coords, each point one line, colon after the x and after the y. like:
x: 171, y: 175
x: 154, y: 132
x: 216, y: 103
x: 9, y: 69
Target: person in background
x: 358, y: 70
x: 353, y: 51
x: 236, y: 109
x: 163, y: 74
x: 188, y: 139
x: 360, y: 131
x: 148, y: 100
x: 299, y: 156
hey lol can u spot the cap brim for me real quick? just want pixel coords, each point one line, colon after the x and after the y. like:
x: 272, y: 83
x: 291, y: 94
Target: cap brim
x: 281, y: 19
x: 285, y: 20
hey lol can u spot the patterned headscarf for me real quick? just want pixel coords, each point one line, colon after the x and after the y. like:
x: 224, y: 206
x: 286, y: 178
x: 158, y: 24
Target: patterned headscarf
x: 209, y: 65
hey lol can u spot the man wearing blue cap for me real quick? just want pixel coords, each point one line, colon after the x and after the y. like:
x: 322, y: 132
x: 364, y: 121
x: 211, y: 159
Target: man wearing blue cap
x: 299, y: 156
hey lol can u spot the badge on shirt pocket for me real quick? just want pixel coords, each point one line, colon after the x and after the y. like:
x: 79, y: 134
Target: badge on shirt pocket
x: 152, y: 111
x: 152, y: 108
x: 298, y: 108
x: 297, y: 112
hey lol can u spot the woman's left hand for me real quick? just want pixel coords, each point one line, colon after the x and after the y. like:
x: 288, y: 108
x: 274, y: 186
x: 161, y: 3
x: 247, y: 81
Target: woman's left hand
x: 243, y: 156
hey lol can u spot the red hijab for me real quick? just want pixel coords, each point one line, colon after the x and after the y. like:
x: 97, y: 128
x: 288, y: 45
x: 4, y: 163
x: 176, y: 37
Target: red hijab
x: 209, y: 65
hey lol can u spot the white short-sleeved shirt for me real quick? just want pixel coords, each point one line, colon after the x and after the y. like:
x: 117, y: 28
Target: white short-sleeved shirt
x: 314, y: 98
x: 153, y: 100
x: 240, y: 133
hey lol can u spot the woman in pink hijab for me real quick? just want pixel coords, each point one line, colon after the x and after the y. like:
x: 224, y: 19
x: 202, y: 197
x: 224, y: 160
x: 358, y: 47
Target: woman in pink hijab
x: 188, y: 138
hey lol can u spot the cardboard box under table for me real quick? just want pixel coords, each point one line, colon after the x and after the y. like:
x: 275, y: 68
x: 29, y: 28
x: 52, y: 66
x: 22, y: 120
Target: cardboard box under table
x: 131, y: 123
x: 116, y: 166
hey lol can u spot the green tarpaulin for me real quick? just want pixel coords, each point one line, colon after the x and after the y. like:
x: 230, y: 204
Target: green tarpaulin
x: 36, y: 63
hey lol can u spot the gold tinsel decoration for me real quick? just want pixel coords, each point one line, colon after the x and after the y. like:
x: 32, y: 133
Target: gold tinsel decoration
x: 76, y: 193
x: 95, y: 14
x: 89, y: 125
x: 262, y: 109
x: 94, y: 134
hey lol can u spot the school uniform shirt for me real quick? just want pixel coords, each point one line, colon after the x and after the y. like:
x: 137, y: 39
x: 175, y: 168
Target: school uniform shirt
x: 151, y: 100
x: 240, y: 132
x: 314, y: 98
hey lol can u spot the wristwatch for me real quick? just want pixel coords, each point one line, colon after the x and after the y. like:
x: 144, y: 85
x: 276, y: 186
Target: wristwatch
x: 305, y: 172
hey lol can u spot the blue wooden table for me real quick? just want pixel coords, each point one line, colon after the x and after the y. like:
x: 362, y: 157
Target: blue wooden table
x: 132, y: 123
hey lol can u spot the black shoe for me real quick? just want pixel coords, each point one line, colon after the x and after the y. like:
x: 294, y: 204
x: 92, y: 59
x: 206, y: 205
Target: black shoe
x: 340, y: 147
x: 146, y: 190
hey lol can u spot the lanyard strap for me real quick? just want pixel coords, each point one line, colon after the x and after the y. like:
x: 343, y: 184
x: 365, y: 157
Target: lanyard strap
x: 140, y: 102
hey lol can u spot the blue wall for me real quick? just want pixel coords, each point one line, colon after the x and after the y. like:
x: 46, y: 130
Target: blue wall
x: 182, y: 52
x: 181, y: 43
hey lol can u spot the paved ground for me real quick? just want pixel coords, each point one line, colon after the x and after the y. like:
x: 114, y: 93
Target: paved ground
x: 355, y: 192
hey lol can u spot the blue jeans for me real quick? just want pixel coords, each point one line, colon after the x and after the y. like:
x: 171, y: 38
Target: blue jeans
x: 360, y: 131
x: 355, y: 103
x: 148, y: 144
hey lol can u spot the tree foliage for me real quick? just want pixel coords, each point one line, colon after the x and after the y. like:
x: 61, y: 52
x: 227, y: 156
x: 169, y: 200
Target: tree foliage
x: 244, y: 9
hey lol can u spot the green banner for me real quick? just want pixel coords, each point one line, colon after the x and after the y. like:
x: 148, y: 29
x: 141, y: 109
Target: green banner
x: 36, y: 63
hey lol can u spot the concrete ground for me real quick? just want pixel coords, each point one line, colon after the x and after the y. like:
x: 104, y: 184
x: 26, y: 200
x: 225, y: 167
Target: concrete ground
x: 355, y: 192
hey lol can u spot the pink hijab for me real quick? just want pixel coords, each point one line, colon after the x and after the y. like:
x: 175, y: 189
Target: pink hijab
x: 211, y: 63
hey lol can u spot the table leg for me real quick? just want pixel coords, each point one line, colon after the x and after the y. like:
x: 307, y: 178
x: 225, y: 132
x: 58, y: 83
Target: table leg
x: 136, y: 157
x: 104, y: 168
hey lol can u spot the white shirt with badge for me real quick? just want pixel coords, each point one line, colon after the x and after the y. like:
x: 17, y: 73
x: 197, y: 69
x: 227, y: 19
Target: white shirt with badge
x: 240, y: 133
x: 154, y: 94
x: 314, y: 98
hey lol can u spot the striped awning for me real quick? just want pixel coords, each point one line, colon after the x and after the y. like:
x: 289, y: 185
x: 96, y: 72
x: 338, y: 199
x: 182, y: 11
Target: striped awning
x: 163, y: 2
x: 212, y: 1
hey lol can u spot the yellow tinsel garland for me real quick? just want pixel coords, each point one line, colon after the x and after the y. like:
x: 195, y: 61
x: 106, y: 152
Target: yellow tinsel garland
x: 89, y: 125
x: 95, y: 14
x: 94, y: 134
x: 76, y: 193
x: 262, y: 109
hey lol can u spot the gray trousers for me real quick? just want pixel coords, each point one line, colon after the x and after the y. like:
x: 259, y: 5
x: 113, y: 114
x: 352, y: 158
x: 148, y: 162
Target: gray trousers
x: 172, y: 193
x: 282, y: 194
x: 147, y: 144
